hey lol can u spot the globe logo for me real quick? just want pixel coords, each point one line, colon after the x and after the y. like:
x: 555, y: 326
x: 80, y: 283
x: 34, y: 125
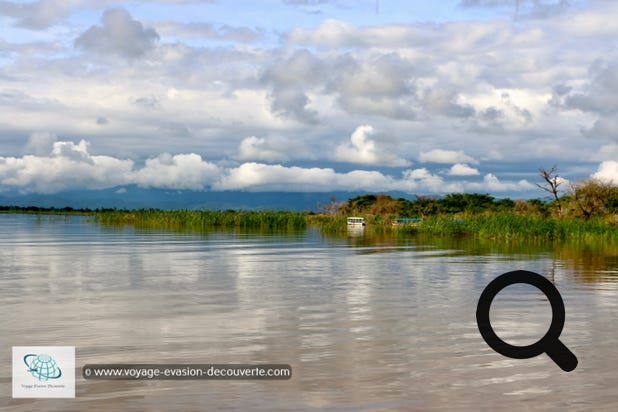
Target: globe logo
x: 42, y: 367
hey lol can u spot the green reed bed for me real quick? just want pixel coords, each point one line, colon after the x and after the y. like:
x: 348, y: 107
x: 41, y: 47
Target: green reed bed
x: 491, y: 225
x: 328, y: 223
x: 204, y: 219
x: 339, y: 224
x: 516, y: 227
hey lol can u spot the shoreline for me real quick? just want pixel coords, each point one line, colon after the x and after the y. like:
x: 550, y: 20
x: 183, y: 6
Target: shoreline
x: 493, y: 225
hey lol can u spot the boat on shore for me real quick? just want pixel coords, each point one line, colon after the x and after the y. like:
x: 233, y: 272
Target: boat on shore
x: 406, y: 221
x: 354, y: 221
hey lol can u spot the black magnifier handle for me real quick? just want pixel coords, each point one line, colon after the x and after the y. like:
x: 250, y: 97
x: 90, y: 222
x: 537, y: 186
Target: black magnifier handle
x: 562, y: 356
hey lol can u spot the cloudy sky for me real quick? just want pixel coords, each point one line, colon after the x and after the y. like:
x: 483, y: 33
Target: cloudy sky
x: 307, y: 95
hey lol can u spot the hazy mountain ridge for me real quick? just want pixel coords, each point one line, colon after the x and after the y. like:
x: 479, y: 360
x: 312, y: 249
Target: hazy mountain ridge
x: 136, y: 197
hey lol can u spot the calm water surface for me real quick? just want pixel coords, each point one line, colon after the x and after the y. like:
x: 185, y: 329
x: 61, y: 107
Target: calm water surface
x: 367, y: 323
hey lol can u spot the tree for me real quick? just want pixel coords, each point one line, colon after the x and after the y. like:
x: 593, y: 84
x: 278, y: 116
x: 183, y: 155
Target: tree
x: 593, y: 196
x: 552, y: 181
x: 466, y: 202
x: 424, y: 206
x: 361, y: 203
x: 330, y: 208
x: 380, y: 204
x: 505, y: 204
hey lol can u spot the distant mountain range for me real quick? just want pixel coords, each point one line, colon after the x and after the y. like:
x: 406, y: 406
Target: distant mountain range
x: 133, y: 197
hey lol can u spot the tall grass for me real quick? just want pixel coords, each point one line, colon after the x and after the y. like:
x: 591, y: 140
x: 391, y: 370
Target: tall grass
x: 329, y: 223
x: 376, y: 223
x: 510, y: 226
x: 499, y: 226
x: 204, y: 219
x: 505, y: 226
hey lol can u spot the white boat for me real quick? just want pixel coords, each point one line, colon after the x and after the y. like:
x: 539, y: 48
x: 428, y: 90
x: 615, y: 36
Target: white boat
x: 356, y: 221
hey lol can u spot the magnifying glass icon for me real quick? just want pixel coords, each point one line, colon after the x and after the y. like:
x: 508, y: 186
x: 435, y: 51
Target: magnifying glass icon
x: 550, y: 343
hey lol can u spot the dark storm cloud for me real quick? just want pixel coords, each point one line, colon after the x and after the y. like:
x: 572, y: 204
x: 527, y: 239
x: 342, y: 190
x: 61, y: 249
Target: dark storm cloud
x: 119, y: 34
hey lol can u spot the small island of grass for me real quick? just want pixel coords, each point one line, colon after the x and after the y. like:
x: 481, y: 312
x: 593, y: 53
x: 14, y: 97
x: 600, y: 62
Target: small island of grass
x: 589, y: 211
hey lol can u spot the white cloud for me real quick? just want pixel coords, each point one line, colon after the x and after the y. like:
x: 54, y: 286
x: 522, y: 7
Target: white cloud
x: 607, y: 171
x: 522, y: 8
x: 40, y: 143
x: 71, y: 166
x: 293, y: 103
x: 425, y: 180
x: 119, y: 34
x: 259, y: 148
x: 596, y: 22
x: 340, y: 34
x: 597, y: 97
x: 423, y: 87
x: 75, y: 152
x: 382, y: 84
x: 262, y: 177
x: 492, y: 184
x: 305, y: 93
x: 181, y: 171
x: 207, y: 30
x: 462, y: 169
x: 446, y: 103
x: 446, y: 156
x: 38, y: 14
x: 606, y: 152
x: 422, y: 173
x: 362, y: 148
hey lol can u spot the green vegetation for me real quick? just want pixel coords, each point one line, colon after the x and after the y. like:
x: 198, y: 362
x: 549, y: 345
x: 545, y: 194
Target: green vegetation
x: 49, y: 210
x: 589, y: 211
x: 197, y: 220
x: 511, y: 226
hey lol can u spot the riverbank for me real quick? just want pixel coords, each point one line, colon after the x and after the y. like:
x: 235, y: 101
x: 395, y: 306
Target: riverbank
x: 499, y: 226
x: 488, y: 225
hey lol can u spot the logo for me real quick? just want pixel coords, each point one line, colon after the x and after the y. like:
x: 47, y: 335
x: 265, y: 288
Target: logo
x: 43, y: 372
x: 42, y: 367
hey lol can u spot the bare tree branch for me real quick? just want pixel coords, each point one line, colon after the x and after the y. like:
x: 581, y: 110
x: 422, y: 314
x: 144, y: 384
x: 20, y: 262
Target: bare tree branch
x: 551, y: 184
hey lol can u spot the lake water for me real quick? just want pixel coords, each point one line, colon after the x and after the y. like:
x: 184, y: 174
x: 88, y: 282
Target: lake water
x: 366, y: 322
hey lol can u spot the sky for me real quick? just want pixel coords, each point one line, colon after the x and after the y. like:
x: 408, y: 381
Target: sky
x: 307, y: 95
